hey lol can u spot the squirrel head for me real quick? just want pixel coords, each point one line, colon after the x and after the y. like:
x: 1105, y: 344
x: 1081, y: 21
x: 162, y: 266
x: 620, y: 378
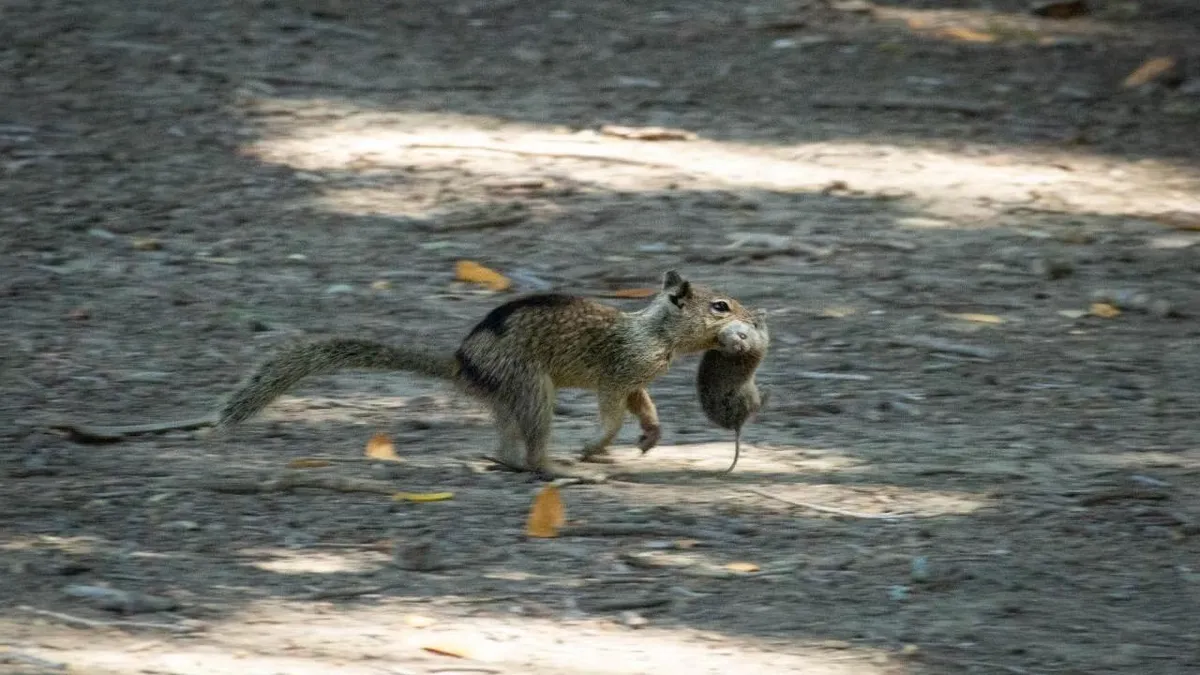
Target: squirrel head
x: 695, y: 316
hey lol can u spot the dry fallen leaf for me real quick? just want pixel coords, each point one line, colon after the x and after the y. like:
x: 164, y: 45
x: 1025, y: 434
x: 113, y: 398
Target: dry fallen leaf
x: 976, y: 318
x: 1149, y: 71
x: 1104, y: 310
x: 473, y: 272
x: 307, y: 463
x: 647, y: 133
x: 547, y: 514
x: 422, y: 496
x: 1187, y: 221
x: 966, y: 35
x: 836, y: 312
x: 448, y: 649
x: 380, y: 447
x: 745, y: 567
x: 381, y: 285
x: 147, y: 244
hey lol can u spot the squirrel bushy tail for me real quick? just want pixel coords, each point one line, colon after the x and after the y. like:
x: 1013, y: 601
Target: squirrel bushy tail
x: 288, y: 367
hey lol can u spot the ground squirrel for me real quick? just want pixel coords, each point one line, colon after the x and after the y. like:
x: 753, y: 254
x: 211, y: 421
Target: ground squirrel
x: 521, y: 352
x: 725, y: 379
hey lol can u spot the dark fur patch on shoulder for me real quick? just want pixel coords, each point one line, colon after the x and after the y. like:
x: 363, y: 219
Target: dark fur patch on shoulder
x: 496, y: 321
x: 471, y: 374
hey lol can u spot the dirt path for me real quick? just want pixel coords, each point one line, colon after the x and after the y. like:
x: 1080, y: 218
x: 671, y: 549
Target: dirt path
x: 966, y: 468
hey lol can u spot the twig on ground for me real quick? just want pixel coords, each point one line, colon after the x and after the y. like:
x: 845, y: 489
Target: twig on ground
x: 905, y: 103
x: 301, y: 81
x: 940, y: 345
x: 291, y: 480
x: 86, y: 433
x: 540, y: 153
x: 1015, y: 670
x: 1122, y: 493
x: 850, y: 377
x: 639, y: 529
x: 624, y: 604
x: 831, y: 509
x: 95, y: 623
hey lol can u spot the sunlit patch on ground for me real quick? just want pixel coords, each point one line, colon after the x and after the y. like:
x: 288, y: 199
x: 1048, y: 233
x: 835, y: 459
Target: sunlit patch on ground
x: 965, y: 187
x: 260, y: 639
x: 284, y: 561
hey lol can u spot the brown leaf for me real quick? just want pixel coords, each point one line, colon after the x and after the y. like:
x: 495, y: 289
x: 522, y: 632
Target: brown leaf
x: 744, y: 567
x: 1188, y: 221
x: 307, y: 463
x: 963, y: 34
x: 1104, y: 310
x: 1149, y: 71
x: 647, y: 133
x: 380, y: 447
x: 547, y: 514
x: 448, y: 649
x: 422, y: 496
x: 147, y: 244
x: 976, y: 318
x: 473, y: 272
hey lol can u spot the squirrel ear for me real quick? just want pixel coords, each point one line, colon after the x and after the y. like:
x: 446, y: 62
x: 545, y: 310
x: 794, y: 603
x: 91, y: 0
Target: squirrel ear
x: 680, y: 293
x: 671, y: 279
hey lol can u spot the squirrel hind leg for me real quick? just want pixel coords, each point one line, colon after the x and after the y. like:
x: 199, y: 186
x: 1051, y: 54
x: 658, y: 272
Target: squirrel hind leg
x: 612, y: 417
x: 523, y: 406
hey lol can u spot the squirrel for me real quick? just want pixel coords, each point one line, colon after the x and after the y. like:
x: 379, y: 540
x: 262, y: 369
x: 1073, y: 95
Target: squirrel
x: 725, y: 380
x: 522, y: 351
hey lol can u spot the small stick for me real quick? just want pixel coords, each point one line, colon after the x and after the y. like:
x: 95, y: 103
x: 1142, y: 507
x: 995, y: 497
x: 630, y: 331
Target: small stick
x: 831, y: 509
x: 540, y: 153
x: 94, y: 623
x: 1121, y: 493
x: 849, y: 377
x: 298, y: 479
x: 638, y: 529
x: 940, y: 345
x: 623, y: 604
x: 904, y: 103
x: 340, y: 593
x: 299, y: 81
x: 85, y: 433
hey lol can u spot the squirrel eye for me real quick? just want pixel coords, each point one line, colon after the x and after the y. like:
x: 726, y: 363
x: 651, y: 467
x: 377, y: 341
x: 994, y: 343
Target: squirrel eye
x: 720, y: 306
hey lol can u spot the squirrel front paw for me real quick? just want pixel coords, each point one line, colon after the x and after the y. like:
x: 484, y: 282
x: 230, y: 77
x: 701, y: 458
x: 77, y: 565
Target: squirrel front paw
x: 650, y: 437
